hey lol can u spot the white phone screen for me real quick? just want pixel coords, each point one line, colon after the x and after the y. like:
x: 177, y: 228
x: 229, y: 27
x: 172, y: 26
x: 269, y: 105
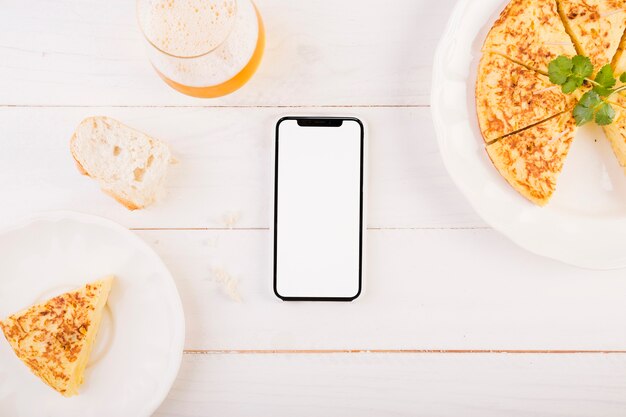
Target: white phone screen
x: 318, y: 218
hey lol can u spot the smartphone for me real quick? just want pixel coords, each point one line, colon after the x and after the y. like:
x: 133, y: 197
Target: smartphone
x: 318, y: 208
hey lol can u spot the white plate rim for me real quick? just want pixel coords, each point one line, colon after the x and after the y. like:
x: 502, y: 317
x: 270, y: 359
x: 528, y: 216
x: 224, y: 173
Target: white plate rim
x: 589, y: 244
x: 178, y: 339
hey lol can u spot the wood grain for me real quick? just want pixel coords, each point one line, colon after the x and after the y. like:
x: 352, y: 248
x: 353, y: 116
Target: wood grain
x: 481, y: 385
x: 223, y: 178
x: 415, y: 296
x: 322, y: 52
x: 454, y: 320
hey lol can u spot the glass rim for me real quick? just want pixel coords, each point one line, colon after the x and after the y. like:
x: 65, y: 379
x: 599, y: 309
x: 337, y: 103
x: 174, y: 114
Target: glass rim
x: 143, y: 33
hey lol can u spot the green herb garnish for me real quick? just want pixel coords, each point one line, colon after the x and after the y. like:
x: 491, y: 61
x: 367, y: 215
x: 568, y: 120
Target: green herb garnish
x: 572, y: 73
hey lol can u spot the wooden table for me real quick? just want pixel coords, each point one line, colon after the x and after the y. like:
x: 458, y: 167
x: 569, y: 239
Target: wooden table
x: 455, y: 320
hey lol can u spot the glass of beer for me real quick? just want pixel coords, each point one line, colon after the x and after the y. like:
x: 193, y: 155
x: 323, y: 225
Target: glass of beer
x: 203, y: 48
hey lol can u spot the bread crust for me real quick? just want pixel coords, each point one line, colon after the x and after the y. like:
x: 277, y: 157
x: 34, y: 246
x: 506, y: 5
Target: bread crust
x: 125, y: 201
x: 80, y: 168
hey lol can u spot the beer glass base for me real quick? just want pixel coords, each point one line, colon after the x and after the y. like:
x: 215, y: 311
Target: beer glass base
x: 232, y: 84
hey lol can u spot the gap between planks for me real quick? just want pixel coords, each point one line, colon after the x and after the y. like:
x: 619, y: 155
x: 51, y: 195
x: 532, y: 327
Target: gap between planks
x: 397, y: 351
x: 221, y: 106
x: 218, y: 229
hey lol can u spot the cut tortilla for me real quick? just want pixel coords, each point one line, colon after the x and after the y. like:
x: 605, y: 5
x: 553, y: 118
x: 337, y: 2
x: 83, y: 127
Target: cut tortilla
x: 530, y: 32
x: 510, y: 97
x: 532, y: 160
x: 616, y: 131
x: 596, y: 27
x: 54, y: 338
x: 619, y: 60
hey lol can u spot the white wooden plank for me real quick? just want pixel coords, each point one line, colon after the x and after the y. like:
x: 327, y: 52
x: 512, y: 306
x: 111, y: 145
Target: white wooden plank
x: 424, y: 290
x: 225, y: 167
x: 417, y: 385
x: 319, y: 52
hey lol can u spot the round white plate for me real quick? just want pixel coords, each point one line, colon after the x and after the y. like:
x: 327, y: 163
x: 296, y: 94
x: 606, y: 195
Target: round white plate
x: 585, y: 222
x: 139, y: 347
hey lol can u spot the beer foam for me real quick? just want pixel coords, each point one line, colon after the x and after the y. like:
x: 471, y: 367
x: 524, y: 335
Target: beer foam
x: 223, y: 63
x: 186, y: 27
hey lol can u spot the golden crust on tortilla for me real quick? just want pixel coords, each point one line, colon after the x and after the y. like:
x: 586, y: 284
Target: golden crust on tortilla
x: 616, y: 131
x: 596, y: 27
x: 530, y: 32
x: 619, y: 60
x: 510, y: 97
x: 532, y: 160
x: 54, y: 338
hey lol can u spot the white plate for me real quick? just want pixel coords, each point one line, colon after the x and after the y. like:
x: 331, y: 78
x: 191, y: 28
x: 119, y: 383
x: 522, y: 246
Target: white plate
x: 585, y: 223
x: 140, y: 343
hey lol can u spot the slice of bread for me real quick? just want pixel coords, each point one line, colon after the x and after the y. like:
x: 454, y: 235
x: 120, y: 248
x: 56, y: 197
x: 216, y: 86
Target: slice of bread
x: 129, y: 165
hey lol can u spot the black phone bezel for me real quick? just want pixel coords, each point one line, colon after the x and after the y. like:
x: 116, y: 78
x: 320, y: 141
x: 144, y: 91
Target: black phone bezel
x: 319, y: 122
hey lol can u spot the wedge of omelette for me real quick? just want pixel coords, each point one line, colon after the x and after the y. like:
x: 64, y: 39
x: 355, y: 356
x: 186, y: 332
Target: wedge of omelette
x: 530, y: 32
x: 532, y: 160
x: 54, y: 339
x: 510, y: 97
x: 596, y: 27
x: 619, y: 62
x: 616, y: 131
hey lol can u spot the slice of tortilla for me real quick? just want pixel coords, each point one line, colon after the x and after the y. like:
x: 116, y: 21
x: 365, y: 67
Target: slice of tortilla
x: 619, y: 62
x: 530, y: 32
x: 510, y: 97
x: 596, y: 27
x: 54, y: 338
x: 532, y: 160
x: 616, y: 131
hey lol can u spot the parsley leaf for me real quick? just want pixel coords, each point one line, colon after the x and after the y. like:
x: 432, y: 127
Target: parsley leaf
x: 569, y: 73
x: 572, y: 73
x: 592, y: 107
x: 560, y: 69
x: 583, y: 112
x: 572, y: 84
x: 605, y: 114
x: 606, y: 81
x: 583, y: 67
